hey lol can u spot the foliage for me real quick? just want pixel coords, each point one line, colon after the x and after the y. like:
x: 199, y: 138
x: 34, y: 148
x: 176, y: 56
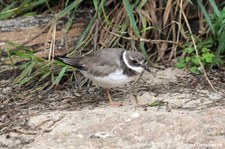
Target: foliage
x: 190, y: 59
x: 49, y: 73
x: 33, y: 67
x: 215, y: 40
x: 132, y: 25
x: 17, y: 7
x: 216, y: 22
x: 154, y: 27
x: 219, y: 27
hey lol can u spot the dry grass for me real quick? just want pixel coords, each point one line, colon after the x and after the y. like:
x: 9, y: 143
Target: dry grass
x: 160, y: 25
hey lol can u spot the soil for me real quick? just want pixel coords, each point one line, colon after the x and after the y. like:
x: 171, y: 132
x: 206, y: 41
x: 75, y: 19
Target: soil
x: 167, y: 108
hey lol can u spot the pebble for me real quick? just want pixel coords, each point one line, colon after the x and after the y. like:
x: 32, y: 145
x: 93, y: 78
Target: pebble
x: 6, y: 90
x: 102, y: 135
x: 135, y: 115
x: 214, y: 96
x: 2, y: 96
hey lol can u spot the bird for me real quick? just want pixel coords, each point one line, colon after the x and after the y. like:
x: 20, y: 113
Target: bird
x: 109, y: 67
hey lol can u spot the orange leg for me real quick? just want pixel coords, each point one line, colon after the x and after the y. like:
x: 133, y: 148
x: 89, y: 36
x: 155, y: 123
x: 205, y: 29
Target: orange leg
x: 108, y: 94
x: 112, y: 103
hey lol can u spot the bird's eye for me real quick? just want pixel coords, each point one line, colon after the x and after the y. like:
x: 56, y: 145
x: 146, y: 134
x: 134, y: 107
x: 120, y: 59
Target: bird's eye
x: 135, y: 62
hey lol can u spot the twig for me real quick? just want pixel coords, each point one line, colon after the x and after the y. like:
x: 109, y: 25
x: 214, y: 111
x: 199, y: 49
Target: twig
x: 195, y: 47
x: 49, y: 120
x: 142, y: 39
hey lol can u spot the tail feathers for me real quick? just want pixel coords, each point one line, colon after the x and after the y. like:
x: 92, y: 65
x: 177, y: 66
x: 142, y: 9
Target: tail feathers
x: 74, y: 62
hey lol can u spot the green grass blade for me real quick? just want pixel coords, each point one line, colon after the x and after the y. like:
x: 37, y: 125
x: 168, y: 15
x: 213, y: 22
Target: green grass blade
x: 143, y: 50
x: 28, y: 78
x: 96, y: 5
x: 59, y: 77
x: 69, y: 23
x: 7, y: 14
x: 49, y: 7
x: 25, y: 6
x: 69, y: 8
x: 135, y: 3
x: 142, y: 3
x: 25, y: 72
x: 104, y: 13
x: 122, y: 30
x: 44, y: 76
x: 206, y: 15
x: 29, y: 4
x: 129, y: 11
x: 85, y: 33
x: 10, y: 6
x: 221, y: 46
x: 215, y: 8
x: 24, y: 80
x: 23, y: 54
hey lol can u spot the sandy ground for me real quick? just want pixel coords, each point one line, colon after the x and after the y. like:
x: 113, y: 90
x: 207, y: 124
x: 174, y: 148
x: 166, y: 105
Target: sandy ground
x: 166, y: 109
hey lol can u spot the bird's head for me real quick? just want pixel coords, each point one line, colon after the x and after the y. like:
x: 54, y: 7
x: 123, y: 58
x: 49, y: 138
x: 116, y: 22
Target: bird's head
x: 135, y: 61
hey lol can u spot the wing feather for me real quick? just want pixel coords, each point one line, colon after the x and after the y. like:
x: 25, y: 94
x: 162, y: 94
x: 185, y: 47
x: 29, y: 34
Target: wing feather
x: 98, y: 63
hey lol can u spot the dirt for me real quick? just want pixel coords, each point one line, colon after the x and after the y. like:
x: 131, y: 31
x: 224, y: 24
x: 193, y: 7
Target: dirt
x: 167, y: 108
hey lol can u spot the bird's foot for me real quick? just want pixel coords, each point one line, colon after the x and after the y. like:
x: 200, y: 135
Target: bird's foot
x: 115, y: 104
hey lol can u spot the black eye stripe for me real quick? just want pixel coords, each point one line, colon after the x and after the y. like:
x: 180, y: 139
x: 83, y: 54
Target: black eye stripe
x: 134, y: 61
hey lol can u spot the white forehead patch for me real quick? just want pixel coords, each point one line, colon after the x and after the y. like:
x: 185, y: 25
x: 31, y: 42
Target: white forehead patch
x: 135, y: 68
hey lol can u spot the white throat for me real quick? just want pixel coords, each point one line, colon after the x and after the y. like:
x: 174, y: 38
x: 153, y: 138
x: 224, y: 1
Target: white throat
x: 134, y: 68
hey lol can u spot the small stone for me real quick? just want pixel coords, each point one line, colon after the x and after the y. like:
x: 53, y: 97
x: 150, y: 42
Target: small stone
x: 77, y: 94
x: 135, y: 115
x: 80, y: 136
x: 6, y: 90
x: 214, y: 96
x: 2, y: 96
x: 102, y: 135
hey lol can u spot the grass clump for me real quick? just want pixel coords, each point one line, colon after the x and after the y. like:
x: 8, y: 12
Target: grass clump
x: 191, y: 60
x: 210, y: 45
x: 35, y: 70
x: 157, y: 28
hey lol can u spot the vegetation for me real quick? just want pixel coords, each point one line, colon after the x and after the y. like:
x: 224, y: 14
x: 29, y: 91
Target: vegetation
x: 210, y: 50
x: 157, y: 28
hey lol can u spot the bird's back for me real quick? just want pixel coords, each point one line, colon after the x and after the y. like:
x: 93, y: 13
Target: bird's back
x: 96, y: 63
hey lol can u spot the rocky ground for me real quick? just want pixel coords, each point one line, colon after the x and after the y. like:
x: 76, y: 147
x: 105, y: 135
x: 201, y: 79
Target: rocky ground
x: 164, y: 109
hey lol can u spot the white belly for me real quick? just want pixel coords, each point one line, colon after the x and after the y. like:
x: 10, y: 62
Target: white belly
x: 115, y: 79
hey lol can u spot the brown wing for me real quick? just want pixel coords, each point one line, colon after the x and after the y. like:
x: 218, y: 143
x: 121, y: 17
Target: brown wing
x: 98, y: 63
x: 103, y: 61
